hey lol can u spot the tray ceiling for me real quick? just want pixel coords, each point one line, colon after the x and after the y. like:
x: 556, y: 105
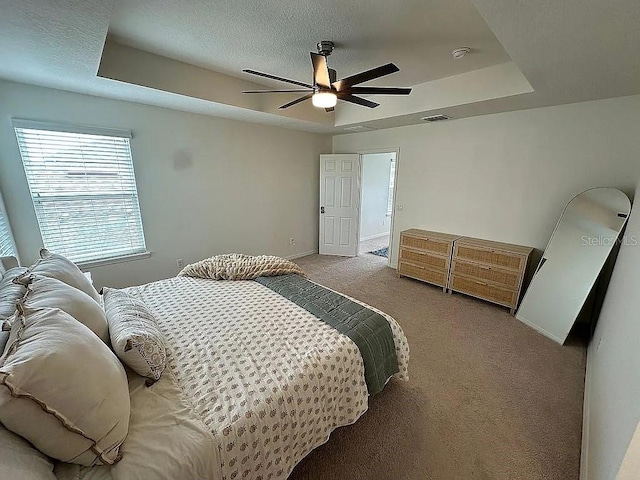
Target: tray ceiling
x: 188, y: 55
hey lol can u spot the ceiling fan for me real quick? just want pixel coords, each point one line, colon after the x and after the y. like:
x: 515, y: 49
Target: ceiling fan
x: 327, y: 90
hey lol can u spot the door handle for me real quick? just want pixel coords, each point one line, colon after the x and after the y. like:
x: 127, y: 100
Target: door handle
x: 321, y: 209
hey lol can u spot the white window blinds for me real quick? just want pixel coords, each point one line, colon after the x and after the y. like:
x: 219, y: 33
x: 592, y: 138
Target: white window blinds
x: 392, y: 177
x: 7, y: 248
x: 83, y: 190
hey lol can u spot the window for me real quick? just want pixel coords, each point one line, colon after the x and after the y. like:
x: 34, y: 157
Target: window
x: 83, y: 190
x: 392, y: 177
x: 7, y: 247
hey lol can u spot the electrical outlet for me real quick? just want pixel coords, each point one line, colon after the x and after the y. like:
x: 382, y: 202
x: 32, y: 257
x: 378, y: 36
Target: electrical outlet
x: 399, y: 207
x: 292, y: 241
x: 179, y: 263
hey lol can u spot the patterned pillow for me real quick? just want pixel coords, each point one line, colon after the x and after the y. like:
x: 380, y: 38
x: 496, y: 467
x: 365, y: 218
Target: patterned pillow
x: 62, y: 389
x: 56, y: 266
x: 135, y: 336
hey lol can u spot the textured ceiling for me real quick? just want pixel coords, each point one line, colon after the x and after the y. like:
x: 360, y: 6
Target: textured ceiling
x: 561, y: 52
x: 276, y: 36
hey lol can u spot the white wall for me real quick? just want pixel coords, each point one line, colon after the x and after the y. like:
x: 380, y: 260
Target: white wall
x: 206, y: 185
x: 612, y: 389
x: 376, y: 168
x: 506, y: 177
x: 477, y: 86
x: 631, y: 463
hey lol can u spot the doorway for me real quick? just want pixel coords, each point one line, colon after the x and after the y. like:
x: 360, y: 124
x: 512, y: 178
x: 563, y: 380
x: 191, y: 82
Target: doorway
x: 376, y: 206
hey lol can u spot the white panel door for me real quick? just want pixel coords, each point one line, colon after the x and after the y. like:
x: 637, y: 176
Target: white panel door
x: 339, y: 204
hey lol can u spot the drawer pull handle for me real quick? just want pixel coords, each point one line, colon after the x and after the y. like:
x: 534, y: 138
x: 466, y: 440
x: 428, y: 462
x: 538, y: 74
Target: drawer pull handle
x: 481, y: 283
x: 484, y: 267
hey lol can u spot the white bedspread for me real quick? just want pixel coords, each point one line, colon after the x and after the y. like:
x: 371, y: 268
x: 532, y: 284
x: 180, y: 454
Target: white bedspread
x: 166, y: 439
x: 267, y: 379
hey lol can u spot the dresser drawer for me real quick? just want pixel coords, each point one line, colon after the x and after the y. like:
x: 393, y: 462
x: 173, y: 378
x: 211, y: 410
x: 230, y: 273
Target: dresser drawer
x: 424, y: 259
x: 422, y: 273
x: 423, y: 243
x: 498, y: 258
x: 504, y: 278
x: 483, y: 290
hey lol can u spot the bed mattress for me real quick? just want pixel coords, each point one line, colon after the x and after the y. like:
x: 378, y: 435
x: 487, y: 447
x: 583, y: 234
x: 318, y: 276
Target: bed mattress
x: 266, y: 379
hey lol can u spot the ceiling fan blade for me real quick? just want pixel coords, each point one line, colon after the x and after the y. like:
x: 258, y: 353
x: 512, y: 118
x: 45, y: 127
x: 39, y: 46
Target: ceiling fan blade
x: 362, y: 77
x: 320, y: 70
x: 359, y: 101
x: 330, y: 109
x: 379, y: 91
x: 333, y: 75
x: 277, y: 91
x: 273, y: 77
x: 297, y: 100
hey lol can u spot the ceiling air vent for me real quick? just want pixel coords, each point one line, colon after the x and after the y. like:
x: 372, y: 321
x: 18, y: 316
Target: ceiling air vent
x: 357, y: 128
x: 435, y: 118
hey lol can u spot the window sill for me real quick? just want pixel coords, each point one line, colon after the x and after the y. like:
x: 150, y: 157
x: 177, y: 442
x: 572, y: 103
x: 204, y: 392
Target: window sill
x: 109, y: 261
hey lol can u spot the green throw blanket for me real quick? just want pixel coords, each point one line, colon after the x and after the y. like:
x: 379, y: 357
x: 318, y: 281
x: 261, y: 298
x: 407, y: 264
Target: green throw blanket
x: 369, y: 330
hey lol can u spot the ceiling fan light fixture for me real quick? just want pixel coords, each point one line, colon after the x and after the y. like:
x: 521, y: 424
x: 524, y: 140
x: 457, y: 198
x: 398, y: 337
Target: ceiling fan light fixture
x: 324, y: 99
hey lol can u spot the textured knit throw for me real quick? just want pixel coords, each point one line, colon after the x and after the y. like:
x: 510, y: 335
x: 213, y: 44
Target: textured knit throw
x: 237, y: 266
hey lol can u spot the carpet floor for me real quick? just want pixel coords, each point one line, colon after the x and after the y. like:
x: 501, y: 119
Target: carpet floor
x: 488, y: 398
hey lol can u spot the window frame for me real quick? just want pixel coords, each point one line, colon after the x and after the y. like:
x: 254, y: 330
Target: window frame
x: 86, y: 130
x: 5, y: 216
x: 392, y: 186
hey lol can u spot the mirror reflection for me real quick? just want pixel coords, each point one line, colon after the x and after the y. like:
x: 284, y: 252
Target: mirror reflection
x: 587, y: 231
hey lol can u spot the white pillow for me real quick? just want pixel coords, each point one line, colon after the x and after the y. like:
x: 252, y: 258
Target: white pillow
x: 56, y: 266
x: 7, y: 263
x: 10, y: 293
x: 19, y: 460
x: 62, y: 389
x: 135, y: 336
x: 45, y: 292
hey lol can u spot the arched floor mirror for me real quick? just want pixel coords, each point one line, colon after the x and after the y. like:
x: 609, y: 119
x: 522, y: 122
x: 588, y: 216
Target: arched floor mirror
x: 587, y: 231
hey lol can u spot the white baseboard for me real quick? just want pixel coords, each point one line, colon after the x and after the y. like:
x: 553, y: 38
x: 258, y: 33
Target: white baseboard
x: 584, y: 448
x: 377, y: 235
x: 300, y: 255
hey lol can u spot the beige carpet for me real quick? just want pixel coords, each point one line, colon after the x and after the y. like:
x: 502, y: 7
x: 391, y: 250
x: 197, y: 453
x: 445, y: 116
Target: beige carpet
x: 488, y: 398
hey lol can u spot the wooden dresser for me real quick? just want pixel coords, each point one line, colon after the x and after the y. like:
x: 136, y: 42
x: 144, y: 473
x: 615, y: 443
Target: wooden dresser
x: 426, y: 256
x: 488, y: 270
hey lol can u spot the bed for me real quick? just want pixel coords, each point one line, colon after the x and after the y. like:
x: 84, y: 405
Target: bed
x: 253, y: 383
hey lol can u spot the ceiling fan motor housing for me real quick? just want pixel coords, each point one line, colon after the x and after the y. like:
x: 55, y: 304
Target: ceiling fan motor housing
x: 325, y: 47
